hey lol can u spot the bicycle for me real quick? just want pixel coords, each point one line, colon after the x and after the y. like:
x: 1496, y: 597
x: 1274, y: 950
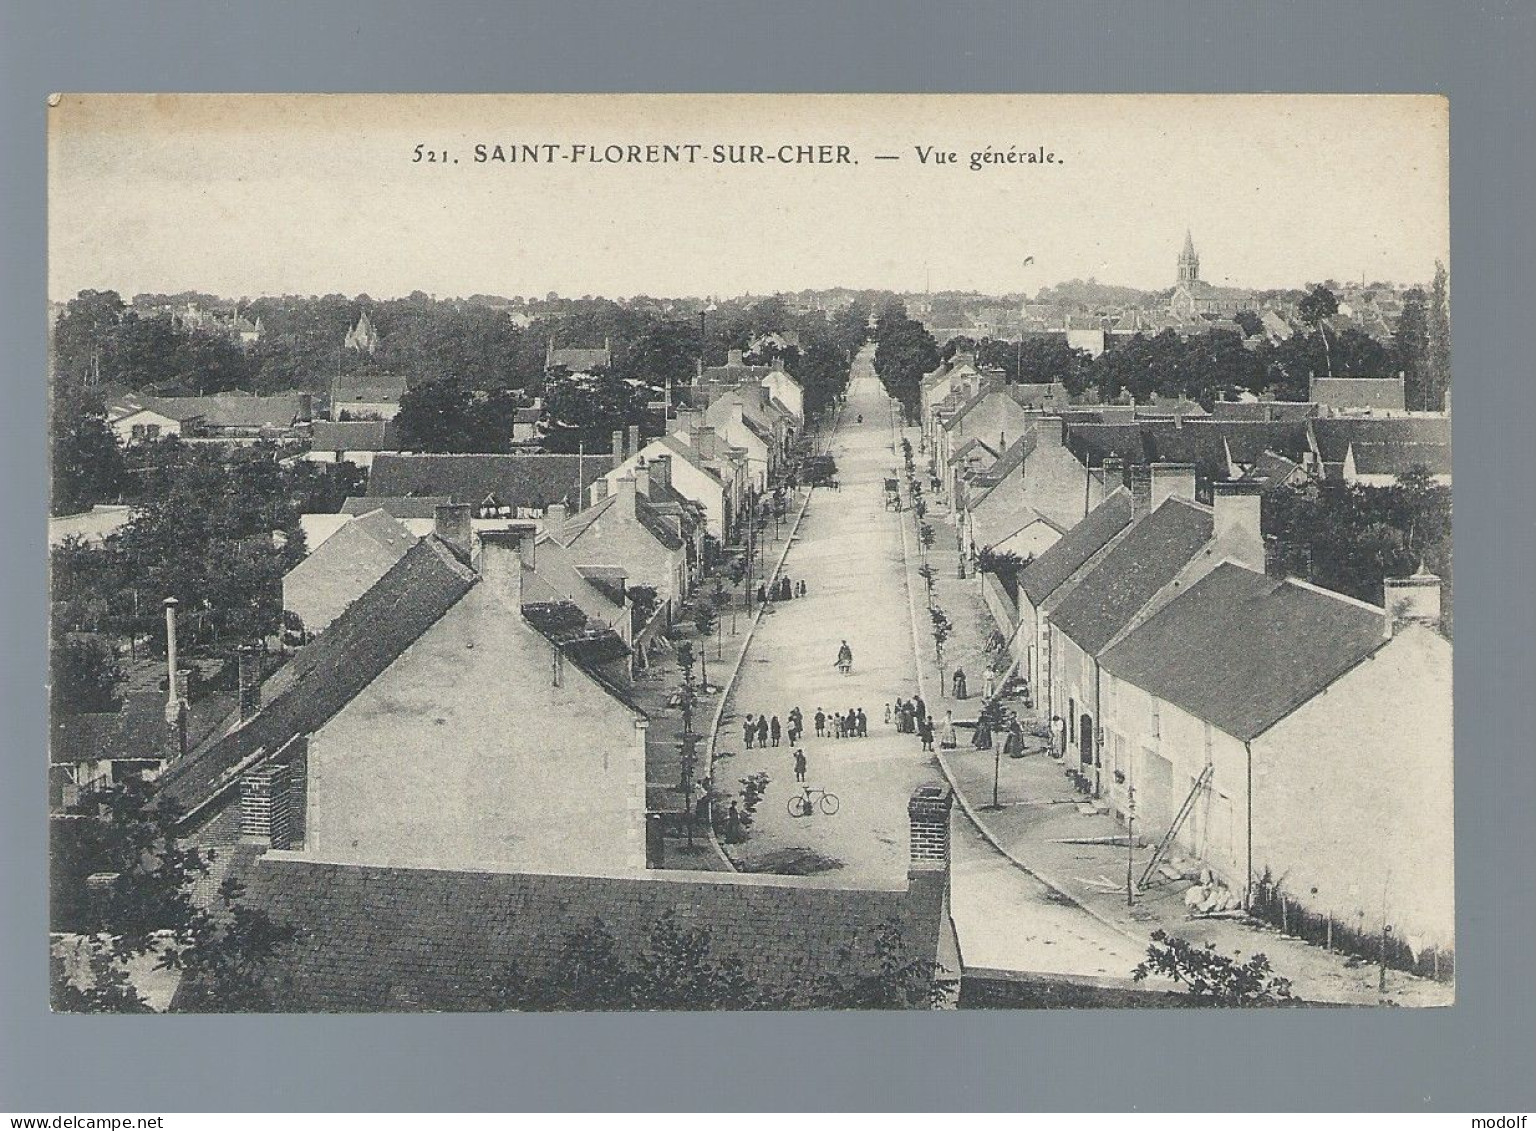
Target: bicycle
x: 803, y: 806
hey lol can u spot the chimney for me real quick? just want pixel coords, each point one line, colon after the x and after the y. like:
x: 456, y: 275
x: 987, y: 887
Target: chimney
x: 172, y: 705
x: 1238, y: 511
x: 1050, y: 431
x: 1415, y: 599
x: 734, y: 358
x: 661, y: 471
x: 643, y: 479
x: 633, y: 440
x: 1139, y: 479
x: 555, y: 513
x: 1172, y: 481
x: 686, y: 420
x: 928, y: 817
x: 626, y: 493
x: 504, y: 556
x: 618, y: 446
x: 264, y: 811
x: 704, y: 442
x: 764, y: 395
x: 451, y: 524
x: 249, y: 666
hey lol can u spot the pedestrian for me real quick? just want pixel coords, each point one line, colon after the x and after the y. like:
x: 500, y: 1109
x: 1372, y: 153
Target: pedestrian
x: 887, y: 714
x: 748, y: 731
x: 908, y: 718
x: 799, y: 765
x: 802, y: 586
x: 1058, y: 737
x: 958, y: 684
x: 774, y: 730
x: 762, y: 594
x: 844, y: 658
x: 784, y: 589
x: 988, y: 686
x: 1013, y: 745
x: 863, y: 724
x: 733, y: 826
x: 851, y: 723
x: 925, y: 732
x: 948, y: 739
x: 762, y: 730
x: 820, y: 719
x: 919, y: 708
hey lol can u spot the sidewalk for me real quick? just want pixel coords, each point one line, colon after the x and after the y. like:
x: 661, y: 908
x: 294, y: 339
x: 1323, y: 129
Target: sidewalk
x: 1039, y: 828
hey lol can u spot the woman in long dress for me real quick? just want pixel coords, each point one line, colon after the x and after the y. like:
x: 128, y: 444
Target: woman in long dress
x: 948, y: 739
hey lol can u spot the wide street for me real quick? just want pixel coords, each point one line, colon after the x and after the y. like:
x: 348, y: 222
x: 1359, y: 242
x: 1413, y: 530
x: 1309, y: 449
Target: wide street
x: 849, y: 552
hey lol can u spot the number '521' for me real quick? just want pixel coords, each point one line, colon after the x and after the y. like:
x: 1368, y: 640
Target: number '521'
x: 431, y: 156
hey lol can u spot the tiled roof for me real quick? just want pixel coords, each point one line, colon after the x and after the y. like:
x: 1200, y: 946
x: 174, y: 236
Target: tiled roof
x: 688, y: 453
x: 232, y: 410
x: 1396, y: 458
x: 533, y: 481
x: 1094, y: 443
x: 1148, y: 557
x: 648, y: 516
x: 399, y: 939
x: 1358, y: 392
x: 138, y: 730
x: 355, y: 436
x: 1051, y: 569
x: 396, y: 506
x: 1033, y: 395
x: 1264, y: 410
x: 1241, y: 651
x: 1271, y: 470
x: 1335, y: 435
x: 579, y: 360
x: 327, y: 674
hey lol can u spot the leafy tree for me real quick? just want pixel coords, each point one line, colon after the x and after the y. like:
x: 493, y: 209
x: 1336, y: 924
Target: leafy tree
x: 87, y: 462
x: 1213, y: 977
x: 904, y: 352
x: 1410, y: 348
x: 583, y: 410
x: 447, y: 415
x: 1438, y: 332
x: 224, y: 951
x: 84, y: 676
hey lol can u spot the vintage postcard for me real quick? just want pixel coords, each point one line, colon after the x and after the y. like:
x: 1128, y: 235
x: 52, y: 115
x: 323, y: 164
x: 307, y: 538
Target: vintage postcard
x: 749, y: 552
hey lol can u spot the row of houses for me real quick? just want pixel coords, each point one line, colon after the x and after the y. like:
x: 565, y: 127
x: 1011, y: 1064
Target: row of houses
x: 1272, y: 729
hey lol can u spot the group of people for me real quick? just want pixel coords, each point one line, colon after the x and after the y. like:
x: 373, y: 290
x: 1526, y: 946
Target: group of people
x: 783, y: 589
x: 766, y: 731
x: 911, y: 717
x: 853, y: 724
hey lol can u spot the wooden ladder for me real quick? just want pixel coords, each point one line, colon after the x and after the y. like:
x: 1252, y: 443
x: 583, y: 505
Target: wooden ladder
x: 1173, y: 830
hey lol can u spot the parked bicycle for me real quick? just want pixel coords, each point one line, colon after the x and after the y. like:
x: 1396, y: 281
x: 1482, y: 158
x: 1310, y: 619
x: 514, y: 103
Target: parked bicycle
x: 803, y: 804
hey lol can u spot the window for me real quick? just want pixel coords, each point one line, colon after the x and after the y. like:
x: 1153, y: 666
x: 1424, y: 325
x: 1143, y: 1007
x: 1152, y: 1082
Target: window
x: 1072, y: 720
x: 1157, y: 718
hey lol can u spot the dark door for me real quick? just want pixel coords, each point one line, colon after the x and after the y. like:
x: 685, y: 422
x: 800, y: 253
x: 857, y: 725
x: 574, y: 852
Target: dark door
x: 1085, y: 739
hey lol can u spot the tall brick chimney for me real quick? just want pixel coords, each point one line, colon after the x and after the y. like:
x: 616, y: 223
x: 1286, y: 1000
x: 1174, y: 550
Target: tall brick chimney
x: 928, y: 817
x: 643, y: 479
x: 632, y: 440
x: 1237, y: 508
x: 704, y: 442
x: 453, y: 527
x: 661, y: 471
x: 177, y: 688
x: 264, y: 810
x: 618, y: 447
x: 248, y: 659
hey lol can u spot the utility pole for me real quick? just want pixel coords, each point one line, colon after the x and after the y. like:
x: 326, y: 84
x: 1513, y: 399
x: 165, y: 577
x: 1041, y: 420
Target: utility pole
x: 1130, y: 845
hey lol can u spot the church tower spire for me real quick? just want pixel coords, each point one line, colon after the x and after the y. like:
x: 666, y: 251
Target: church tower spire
x: 1189, y: 262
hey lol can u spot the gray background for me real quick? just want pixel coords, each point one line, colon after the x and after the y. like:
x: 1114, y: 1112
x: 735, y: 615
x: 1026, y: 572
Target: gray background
x: 1475, y: 1057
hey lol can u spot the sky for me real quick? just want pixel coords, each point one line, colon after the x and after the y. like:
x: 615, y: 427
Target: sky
x: 245, y: 195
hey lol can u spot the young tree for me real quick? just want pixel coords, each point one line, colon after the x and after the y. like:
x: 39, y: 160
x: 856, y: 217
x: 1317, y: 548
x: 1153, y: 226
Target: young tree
x: 1438, y: 333
x: 1410, y: 349
x: 84, y: 676
x: 1213, y: 977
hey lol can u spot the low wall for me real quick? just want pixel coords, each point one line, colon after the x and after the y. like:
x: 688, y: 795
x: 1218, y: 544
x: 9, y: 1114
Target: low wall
x: 1004, y: 614
x: 982, y: 988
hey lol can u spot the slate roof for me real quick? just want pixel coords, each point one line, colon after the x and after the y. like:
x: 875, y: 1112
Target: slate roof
x: 533, y: 481
x: 1148, y: 557
x: 647, y: 515
x: 355, y: 436
x: 327, y: 674
x: 965, y: 449
x: 687, y: 452
x: 397, y: 939
x: 1093, y: 443
x: 1271, y: 470
x: 1264, y: 410
x: 1384, y: 393
x: 396, y: 506
x: 1241, y: 651
x: 1033, y: 395
x: 1396, y: 458
x: 1050, y: 570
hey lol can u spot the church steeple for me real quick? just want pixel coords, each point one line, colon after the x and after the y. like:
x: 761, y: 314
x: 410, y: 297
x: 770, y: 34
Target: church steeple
x: 1189, y: 262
